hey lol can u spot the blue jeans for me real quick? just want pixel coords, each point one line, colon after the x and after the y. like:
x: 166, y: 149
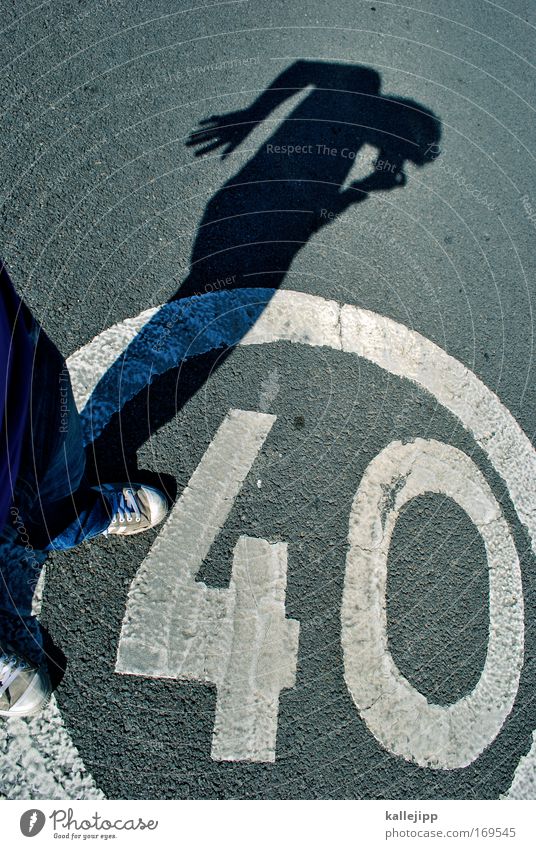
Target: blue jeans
x: 57, y: 505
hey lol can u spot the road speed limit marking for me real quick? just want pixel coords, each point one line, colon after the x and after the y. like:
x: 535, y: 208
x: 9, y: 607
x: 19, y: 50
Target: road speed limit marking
x: 115, y: 366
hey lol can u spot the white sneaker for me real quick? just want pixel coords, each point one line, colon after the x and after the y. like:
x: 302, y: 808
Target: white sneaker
x: 24, y: 688
x: 134, y: 507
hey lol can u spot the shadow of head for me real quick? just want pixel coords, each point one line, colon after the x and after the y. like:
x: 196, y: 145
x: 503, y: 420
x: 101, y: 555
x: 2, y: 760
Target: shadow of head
x: 419, y: 131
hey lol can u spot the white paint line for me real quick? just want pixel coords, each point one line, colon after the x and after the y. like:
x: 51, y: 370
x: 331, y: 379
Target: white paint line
x: 181, y: 329
x: 238, y: 639
x: 401, y: 718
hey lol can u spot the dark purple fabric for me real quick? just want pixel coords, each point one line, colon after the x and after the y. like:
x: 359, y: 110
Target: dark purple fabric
x: 15, y: 373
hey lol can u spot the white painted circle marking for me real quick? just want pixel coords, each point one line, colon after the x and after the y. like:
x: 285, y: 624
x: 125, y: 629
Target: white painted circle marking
x: 254, y: 317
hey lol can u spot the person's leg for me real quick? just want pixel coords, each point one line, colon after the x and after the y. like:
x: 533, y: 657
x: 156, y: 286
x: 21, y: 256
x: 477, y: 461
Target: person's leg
x: 54, y: 507
x: 58, y: 506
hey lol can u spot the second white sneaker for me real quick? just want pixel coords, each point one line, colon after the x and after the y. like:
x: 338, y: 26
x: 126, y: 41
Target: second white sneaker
x: 24, y: 687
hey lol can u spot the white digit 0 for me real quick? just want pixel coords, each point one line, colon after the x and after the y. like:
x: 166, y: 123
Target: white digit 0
x: 401, y: 718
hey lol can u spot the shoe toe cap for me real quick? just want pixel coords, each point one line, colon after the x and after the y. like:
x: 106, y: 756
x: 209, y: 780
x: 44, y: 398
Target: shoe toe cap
x: 157, y: 504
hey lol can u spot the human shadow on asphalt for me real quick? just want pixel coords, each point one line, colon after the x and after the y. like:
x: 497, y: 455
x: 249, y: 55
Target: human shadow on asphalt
x: 295, y: 185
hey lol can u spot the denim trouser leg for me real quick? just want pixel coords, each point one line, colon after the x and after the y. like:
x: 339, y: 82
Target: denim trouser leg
x: 52, y: 494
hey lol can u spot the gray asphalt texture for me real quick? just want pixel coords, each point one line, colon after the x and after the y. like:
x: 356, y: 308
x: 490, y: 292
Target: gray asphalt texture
x: 102, y: 199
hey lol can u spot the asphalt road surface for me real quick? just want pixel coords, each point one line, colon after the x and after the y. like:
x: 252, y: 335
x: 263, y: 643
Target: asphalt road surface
x: 321, y: 345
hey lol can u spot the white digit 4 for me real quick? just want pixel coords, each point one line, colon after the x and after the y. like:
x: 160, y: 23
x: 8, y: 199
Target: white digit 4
x: 237, y: 638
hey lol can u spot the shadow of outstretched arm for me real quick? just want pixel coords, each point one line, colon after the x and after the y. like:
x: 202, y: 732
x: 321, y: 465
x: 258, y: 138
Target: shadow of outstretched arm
x: 230, y: 129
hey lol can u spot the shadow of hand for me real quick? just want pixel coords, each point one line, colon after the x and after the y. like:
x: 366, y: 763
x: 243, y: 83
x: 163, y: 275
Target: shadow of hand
x: 380, y: 182
x: 228, y: 130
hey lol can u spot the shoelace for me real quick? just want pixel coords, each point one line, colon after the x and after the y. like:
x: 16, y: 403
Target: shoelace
x: 10, y: 669
x: 125, y: 506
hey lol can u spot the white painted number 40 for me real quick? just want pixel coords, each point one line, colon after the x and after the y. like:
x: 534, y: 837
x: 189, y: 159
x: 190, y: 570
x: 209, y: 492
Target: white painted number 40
x: 240, y: 639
